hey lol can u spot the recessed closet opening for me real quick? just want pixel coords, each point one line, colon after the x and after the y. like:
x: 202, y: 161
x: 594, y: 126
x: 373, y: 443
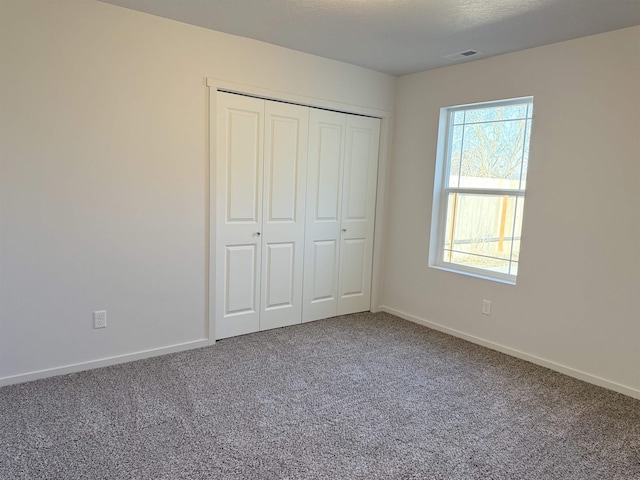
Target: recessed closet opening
x: 294, y: 191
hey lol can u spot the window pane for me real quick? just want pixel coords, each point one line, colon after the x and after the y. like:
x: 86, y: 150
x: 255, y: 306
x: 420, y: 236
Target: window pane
x: 458, y: 117
x: 475, y: 261
x: 490, y: 113
x: 525, y: 158
x: 492, y: 154
x: 514, y: 268
x: 517, y: 230
x: 456, y: 152
x: 483, y: 229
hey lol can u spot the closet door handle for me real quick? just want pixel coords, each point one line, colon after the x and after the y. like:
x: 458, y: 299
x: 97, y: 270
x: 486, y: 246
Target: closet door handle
x: 344, y: 230
x: 257, y: 234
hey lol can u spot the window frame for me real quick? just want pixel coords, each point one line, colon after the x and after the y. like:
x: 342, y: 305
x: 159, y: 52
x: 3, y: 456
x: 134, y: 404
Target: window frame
x: 441, y: 191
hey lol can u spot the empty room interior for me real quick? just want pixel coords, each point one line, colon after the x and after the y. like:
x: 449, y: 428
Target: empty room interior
x: 320, y: 239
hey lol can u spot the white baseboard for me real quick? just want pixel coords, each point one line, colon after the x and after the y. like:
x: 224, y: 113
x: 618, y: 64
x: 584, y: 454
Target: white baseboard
x: 572, y: 372
x: 102, y: 362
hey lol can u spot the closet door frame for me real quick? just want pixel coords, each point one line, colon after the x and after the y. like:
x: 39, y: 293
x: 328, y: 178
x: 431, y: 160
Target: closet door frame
x: 215, y: 86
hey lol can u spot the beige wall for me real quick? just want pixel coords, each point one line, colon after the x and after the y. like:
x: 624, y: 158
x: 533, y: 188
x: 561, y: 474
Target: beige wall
x: 104, y: 172
x: 576, y: 305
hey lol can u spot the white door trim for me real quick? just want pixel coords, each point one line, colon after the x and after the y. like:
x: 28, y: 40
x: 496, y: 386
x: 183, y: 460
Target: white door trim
x: 216, y: 85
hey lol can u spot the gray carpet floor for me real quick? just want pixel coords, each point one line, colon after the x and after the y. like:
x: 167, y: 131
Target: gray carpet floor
x: 366, y: 396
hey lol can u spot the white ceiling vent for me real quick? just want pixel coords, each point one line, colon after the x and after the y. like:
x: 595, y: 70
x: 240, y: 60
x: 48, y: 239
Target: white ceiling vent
x: 462, y: 55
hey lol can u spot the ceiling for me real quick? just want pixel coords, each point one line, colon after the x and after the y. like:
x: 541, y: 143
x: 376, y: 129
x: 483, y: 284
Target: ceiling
x: 400, y: 36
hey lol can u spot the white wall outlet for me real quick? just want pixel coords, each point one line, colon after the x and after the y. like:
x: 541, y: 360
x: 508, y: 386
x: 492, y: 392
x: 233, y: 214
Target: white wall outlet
x: 486, y: 307
x: 100, y: 319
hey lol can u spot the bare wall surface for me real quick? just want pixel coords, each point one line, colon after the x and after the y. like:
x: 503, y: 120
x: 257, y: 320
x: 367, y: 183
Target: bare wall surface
x: 104, y: 172
x: 577, y: 298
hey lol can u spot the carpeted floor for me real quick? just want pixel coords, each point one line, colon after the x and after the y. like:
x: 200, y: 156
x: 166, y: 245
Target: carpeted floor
x: 362, y: 396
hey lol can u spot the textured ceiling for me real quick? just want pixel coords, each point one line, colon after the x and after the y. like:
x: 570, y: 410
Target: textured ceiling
x: 400, y: 36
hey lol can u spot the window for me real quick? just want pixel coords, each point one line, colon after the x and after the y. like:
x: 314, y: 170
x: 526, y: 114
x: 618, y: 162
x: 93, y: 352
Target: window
x: 481, y: 173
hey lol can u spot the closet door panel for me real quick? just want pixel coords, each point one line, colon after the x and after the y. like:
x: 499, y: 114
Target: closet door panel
x: 279, y: 276
x: 358, y: 213
x: 285, y: 177
x: 239, y: 170
x: 352, y: 269
x: 283, y: 157
x: 359, y: 169
x: 325, y: 256
x: 324, y: 197
x: 240, y: 277
x: 243, y: 164
x: 327, y: 178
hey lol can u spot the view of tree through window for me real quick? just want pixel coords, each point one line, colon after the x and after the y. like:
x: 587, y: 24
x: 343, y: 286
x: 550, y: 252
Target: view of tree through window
x: 482, y: 198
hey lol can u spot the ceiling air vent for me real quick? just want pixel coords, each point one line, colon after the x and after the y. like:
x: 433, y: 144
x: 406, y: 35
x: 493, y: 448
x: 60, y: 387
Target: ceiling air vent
x: 462, y: 55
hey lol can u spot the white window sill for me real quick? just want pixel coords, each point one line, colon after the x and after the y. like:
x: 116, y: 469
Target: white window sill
x: 468, y: 273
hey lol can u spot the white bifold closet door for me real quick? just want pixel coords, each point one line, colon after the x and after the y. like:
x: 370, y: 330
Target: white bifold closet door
x: 260, y: 207
x: 285, y: 178
x: 341, y: 191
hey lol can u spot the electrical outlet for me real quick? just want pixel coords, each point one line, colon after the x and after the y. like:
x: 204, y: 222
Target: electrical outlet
x: 100, y: 319
x: 486, y: 307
